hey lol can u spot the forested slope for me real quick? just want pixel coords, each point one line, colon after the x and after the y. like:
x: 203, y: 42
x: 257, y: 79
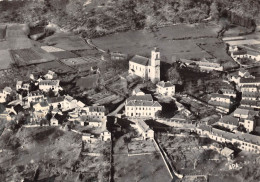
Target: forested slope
x: 98, y: 17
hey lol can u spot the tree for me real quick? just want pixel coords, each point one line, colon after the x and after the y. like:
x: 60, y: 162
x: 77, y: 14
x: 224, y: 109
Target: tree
x: 199, y: 82
x: 51, y: 93
x: 173, y: 75
x: 189, y: 87
x: 214, y: 13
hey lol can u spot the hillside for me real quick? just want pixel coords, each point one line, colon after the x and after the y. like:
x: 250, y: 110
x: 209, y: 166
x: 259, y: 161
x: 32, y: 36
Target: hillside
x: 94, y: 18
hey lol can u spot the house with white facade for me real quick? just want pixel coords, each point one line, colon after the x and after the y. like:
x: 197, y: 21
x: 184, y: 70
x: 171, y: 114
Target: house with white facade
x: 4, y: 94
x: 249, y: 88
x: 35, y: 96
x: 41, y: 109
x: 245, y: 141
x: 249, y: 124
x: 222, y: 102
x: 249, y: 81
x: 137, y: 91
x: 46, y: 85
x: 220, y: 98
x: 229, y: 92
x: 142, y: 106
x: 105, y: 136
x: 229, y: 122
x: 165, y: 88
x: 241, y: 113
x: 50, y: 75
x: 95, y: 113
x: 145, y: 130
x: 56, y: 102
x: 148, y: 69
x: 95, y: 123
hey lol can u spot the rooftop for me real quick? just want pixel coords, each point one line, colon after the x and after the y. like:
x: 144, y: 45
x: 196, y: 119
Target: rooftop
x: 241, y: 111
x: 165, y: 84
x: 229, y: 120
x: 55, y: 99
x: 49, y: 82
x: 97, y: 109
x: 214, y: 95
x: 250, y: 80
x: 140, y: 60
x: 143, y: 103
x: 143, y: 125
x: 146, y: 97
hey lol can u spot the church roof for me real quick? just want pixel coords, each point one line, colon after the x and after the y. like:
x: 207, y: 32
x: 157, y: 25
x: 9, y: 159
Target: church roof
x: 140, y: 60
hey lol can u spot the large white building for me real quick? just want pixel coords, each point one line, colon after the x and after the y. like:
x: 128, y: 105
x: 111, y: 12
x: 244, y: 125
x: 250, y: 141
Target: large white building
x: 142, y: 106
x: 46, y: 85
x: 149, y: 69
x: 95, y: 113
x: 165, y: 88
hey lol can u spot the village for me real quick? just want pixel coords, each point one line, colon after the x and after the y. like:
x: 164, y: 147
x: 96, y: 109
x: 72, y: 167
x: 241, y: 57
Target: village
x: 39, y: 101
x: 112, y: 110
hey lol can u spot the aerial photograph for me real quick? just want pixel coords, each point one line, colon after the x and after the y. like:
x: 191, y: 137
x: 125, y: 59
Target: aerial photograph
x: 129, y: 90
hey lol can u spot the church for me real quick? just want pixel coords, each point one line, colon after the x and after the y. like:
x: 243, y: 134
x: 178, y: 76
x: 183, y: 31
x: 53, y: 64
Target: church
x: 146, y: 68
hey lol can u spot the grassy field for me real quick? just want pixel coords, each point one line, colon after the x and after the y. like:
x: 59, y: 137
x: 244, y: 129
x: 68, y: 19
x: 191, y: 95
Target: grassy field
x: 188, y: 31
x: 143, y: 168
x: 5, y: 59
x: 55, y: 66
x: 67, y: 42
x: 179, y: 40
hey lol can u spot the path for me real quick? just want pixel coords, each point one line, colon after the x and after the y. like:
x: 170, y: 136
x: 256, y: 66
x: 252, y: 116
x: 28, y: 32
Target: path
x: 90, y: 43
x: 113, y: 113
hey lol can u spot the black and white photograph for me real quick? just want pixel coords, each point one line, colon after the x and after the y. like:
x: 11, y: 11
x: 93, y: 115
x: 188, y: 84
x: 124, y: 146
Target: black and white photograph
x: 129, y: 90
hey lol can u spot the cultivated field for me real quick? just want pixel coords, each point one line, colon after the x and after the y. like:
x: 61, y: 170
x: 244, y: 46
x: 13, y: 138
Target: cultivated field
x: 55, y: 66
x: 5, y: 59
x: 143, y: 168
x: 66, y: 41
x: 179, y: 40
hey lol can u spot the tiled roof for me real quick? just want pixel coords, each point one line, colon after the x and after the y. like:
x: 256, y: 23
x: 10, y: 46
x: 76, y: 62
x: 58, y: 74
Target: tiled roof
x: 229, y: 120
x: 56, y: 99
x: 249, y: 86
x: 240, y: 52
x: 44, y: 104
x: 146, y: 97
x: 143, y: 125
x: 165, y: 84
x: 241, y: 111
x: 7, y: 89
x: 49, y: 82
x: 250, y: 102
x: 250, y: 80
x: 224, y: 134
x: 253, y: 53
x: 248, y: 138
x: 227, y: 151
x: 214, y: 95
x: 250, y: 94
x: 35, y: 93
x: 205, y: 128
x: 140, y: 60
x: 143, y: 103
x: 225, y: 90
x: 97, y: 109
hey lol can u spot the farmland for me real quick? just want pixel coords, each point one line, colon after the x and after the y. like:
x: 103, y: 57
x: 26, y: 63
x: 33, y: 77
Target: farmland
x: 5, y: 59
x: 144, y: 168
x: 181, y: 41
x: 67, y: 42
